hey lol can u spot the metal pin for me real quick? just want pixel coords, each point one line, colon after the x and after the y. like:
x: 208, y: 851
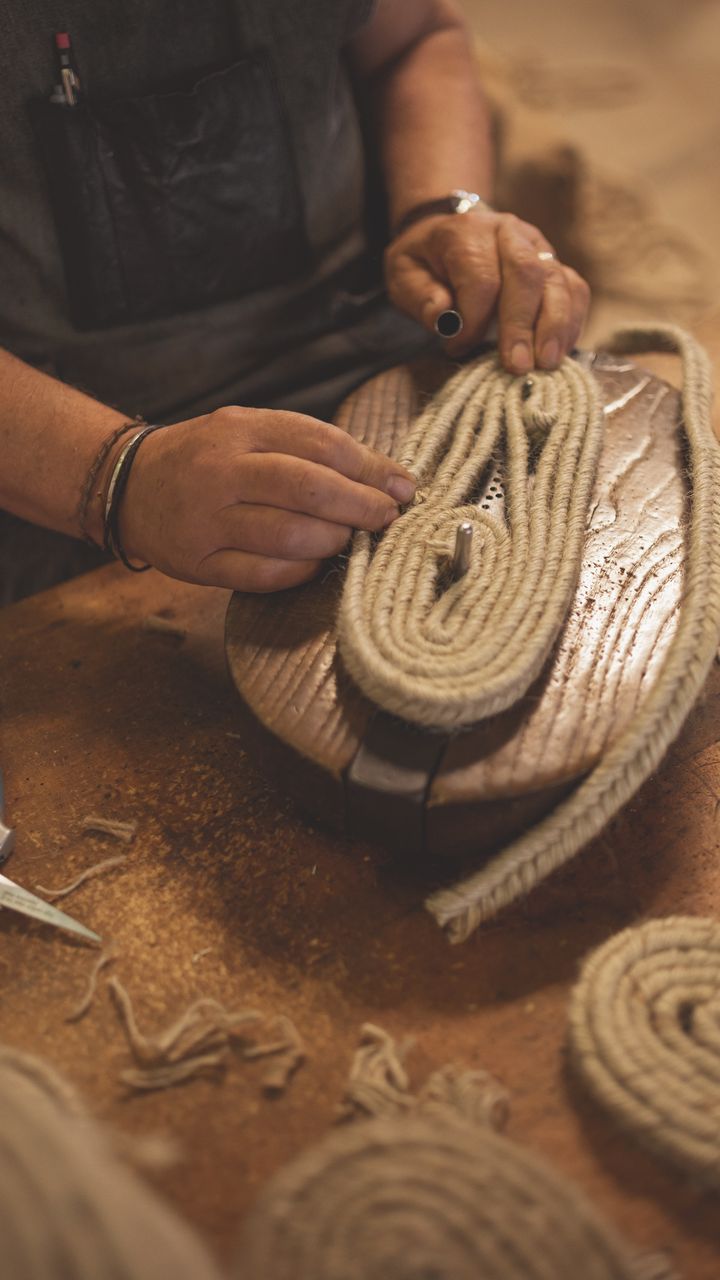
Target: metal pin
x: 526, y: 388
x: 449, y: 324
x: 461, y: 555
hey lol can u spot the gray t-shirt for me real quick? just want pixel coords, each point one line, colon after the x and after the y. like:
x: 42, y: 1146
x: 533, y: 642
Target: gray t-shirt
x: 302, y: 342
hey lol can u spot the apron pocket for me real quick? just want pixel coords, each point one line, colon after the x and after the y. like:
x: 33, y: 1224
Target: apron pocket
x: 173, y: 201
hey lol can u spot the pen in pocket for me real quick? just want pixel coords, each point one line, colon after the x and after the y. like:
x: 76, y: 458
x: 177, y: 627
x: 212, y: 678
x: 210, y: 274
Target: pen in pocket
x: 69, y: 88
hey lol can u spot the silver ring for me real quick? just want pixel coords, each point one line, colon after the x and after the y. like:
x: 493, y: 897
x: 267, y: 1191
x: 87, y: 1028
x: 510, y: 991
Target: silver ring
x: 547, y: 256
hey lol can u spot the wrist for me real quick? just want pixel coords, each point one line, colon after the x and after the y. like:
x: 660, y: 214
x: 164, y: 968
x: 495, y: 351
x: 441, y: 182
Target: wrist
x: 90, y: 515
x: 118, y: 479
x: 457, y: 201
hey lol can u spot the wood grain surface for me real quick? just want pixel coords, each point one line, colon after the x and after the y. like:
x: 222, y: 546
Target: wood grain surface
x: 469, y: 793
x: 228, y: 892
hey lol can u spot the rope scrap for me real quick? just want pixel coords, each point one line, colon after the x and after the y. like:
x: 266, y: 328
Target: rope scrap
x: 125, y: 831
x: 199, y: 1043
x: 287, y: 1052
x: 471, y: 1095
x: 419, y: 1196
x: 90, y: 873
x: 378, y: 1085
x: 107, y: 957
x: 165, y: 626
x: 446, y: 659
x: 645, y: 1038
x: 640, y: 747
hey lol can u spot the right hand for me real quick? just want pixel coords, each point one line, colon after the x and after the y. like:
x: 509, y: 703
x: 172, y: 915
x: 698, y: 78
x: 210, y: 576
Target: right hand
x: 254, y: 499
x: 489, y: 265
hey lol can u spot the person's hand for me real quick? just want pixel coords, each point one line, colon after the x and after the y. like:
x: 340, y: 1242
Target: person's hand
x: 487, y: 265
x: 254, y: 499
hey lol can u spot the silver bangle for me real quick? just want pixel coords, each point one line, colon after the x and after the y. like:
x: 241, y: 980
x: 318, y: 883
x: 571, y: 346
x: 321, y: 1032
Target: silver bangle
x: 113, y: 483
x: 458, y: 201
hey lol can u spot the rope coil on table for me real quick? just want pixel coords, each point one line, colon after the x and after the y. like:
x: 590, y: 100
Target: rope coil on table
x: 645, y: 1037
x: 68, y: 1206
x: 413, y: 1197
x: 445, y: 659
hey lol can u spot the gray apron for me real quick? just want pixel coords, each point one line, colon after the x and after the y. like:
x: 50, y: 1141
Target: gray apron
x: 191, y: 234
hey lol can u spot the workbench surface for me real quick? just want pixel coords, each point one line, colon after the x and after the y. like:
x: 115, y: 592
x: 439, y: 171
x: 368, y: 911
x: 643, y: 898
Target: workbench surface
x: 229, y: 892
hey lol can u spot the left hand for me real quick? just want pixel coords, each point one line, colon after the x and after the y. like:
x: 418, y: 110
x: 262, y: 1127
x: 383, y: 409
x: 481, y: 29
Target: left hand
x: 487, y: 264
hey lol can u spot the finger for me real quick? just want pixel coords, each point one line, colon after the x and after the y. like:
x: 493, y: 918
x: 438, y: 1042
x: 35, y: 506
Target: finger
x: 282, y: 535
x: 471, y: 262
x: 242, y: 571
x: 416, y: 290
x: 535, y: 237
x: 299, y: 436
x: 294, y: 484
x: 579, y: 295
x: 553, y: 330
x: 580, y: 299
x: 523, y: 286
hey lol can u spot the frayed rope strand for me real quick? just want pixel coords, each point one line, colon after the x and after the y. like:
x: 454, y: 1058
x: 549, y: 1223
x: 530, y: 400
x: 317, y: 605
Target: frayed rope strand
x: 90, y: 873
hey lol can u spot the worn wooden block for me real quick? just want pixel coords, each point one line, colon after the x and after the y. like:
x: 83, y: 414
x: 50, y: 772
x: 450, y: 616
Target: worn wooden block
x: 368, y: 774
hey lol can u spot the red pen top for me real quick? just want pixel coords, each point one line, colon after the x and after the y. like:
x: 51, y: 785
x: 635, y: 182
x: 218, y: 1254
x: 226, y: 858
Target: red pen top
x: 62, y: 40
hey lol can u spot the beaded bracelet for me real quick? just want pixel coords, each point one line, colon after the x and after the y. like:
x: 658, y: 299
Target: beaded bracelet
x: 116, y: 488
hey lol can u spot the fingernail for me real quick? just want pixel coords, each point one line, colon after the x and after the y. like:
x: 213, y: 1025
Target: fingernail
x: 521, y: 358
x: 392, y: 514
x: 400, y: 488
x: 550, y: 354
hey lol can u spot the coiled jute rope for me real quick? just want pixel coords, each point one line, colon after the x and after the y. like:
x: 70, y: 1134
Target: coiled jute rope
x: 446, y: 659
x: 435, y: 1193
x: 388, y: 600
x: 645, y: 1038
x: 68, y: 1206
x: 414, y: 1197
